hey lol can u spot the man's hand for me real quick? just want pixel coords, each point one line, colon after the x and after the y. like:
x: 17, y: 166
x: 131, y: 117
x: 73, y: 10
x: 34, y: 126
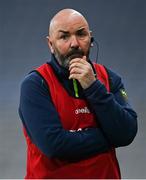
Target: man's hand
x: 81, y: 70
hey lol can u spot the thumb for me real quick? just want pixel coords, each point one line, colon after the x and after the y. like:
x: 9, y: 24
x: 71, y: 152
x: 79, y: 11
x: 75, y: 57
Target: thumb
x: 84, y: 58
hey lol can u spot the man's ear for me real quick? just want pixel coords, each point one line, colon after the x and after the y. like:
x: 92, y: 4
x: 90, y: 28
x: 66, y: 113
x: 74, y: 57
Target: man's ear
x: 49, y: 41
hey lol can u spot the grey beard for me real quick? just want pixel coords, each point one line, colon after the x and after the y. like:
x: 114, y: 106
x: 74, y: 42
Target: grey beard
x: 65, y: 63
x: 65, y: 60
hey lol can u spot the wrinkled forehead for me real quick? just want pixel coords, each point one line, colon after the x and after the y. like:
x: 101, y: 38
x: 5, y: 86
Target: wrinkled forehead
x: 68, y: 21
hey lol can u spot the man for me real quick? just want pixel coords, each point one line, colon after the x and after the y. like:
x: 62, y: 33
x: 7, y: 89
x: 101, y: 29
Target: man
x: 74, y: 113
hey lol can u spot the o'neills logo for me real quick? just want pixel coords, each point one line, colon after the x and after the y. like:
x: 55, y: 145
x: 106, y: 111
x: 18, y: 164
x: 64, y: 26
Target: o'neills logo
x: 82, y: 110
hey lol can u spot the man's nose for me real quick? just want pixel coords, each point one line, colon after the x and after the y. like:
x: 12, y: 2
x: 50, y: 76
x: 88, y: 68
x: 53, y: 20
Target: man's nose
x: 74, y: 42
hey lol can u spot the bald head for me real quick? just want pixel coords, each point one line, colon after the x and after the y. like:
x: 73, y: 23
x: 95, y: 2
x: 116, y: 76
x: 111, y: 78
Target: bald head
x: 64, y: 17
x: 69, y: 36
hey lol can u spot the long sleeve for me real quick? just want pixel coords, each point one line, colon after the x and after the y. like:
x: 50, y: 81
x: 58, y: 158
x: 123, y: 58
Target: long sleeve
x: 43, y: 125
x: 116, y: 117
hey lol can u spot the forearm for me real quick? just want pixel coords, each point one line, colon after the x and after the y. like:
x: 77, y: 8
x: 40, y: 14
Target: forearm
x: 81, y: 144
x: 59, y: 143
x: 118, y: 122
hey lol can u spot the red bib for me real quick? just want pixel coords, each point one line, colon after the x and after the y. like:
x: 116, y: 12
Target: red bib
x: 74, y: 114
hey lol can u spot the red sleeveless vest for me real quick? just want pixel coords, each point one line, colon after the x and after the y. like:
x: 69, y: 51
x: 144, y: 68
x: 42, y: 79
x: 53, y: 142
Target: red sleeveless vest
x: 74, y: 114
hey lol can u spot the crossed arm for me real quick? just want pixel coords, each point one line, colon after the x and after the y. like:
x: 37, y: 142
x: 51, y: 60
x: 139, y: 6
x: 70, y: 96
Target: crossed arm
x: 42, y: 122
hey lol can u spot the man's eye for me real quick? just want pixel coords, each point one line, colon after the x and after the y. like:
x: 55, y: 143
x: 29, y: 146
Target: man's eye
x: 64, y: 37
x: 81, y: 34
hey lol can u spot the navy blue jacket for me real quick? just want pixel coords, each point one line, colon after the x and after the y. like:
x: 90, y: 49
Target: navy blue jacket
x: 118, y: 121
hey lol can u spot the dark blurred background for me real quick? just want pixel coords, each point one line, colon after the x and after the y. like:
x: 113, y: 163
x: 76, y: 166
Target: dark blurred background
x: 120, y: 28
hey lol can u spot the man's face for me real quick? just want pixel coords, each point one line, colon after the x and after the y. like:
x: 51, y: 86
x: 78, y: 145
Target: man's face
x: 70, y: 39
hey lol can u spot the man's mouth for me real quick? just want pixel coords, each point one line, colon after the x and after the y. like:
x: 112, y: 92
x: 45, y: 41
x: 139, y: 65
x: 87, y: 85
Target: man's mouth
x: 75, y: 54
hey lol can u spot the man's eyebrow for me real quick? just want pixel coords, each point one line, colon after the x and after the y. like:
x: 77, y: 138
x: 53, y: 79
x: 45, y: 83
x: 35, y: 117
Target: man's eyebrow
x: 62, y: 31
x: 81, y: 29
x: 66, y: 32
